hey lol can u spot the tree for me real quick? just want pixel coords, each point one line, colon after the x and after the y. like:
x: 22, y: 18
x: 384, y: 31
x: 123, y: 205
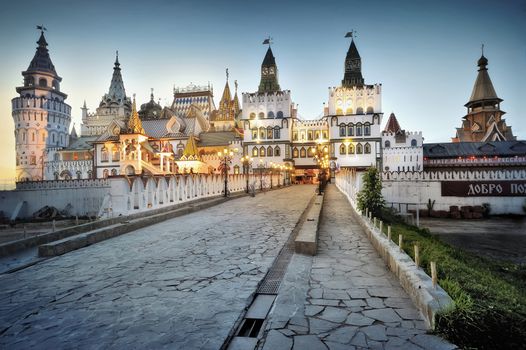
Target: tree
x: 370, y: 197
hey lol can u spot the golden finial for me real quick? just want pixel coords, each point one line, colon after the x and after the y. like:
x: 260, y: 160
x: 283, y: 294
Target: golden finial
x: 134, y: 123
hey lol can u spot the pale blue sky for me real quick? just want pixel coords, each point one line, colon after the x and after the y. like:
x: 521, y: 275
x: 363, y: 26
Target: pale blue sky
x: 423, y: 52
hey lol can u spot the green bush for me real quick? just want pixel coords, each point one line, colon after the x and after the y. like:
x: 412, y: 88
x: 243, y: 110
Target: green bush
x: 489, y: 296
x: 370, y: 197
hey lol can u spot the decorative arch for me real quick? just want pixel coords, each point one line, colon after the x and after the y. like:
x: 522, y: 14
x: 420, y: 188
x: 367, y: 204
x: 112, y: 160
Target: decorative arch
x: 252, y: 115
x: 295, y: 153
x: 303, y: 152
x: 262, y: 151
x: 387, y: 144
x: 359, y: 149
x: 367, y: 148
x: 351, y: 149
x: 414, y: 143
x: 280, y: 114
x: 277, y: 151
x: 359, y: 110
x: 255, y: 152
x: 42, y: 82
x: 343, y: 149
x: 370, y: 110
x: 270, y: 151
x: 261, y: 115
x: 270, y: 115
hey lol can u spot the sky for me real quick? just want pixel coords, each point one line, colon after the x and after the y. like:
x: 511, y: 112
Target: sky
x: 423, y: 52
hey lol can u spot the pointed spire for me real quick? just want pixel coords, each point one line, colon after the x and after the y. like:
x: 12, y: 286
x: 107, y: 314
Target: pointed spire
x: 237, y: 107
x: 116, y: 90
x: 73, y: 134
x: 353, y: 65
x: 151, y: 95
x: 190, y: 151
x: 41, y: 61
x: 392, y: 125
x: 134, y: 123
x: 269, y: 74
x: 84, y: 105
x: 269, y: 59
x: 483, y: 89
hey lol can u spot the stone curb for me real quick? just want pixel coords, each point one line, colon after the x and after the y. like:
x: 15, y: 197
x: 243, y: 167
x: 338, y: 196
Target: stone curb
x: 306, y: 241
x: 414, y: 280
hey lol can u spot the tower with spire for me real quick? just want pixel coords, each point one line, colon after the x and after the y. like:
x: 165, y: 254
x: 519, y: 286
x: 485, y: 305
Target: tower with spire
x: 226, y: 116
x: 41, y: 116
x: 483, y: 121
x: 353, y: 67
x: 269, y: 74
x: 113, y: 105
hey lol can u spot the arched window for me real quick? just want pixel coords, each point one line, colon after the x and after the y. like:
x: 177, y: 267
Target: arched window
x: 252, y: 116
x: 261, y: 115
x: 367, y: 129
x: 294, y: 136
x: 236, y: 169
x: 359, y: 148
x: 270, y: 115
x: 351, y: 149
x: 339, y: 111
x: 317, y: 135
x: 105, y: 173
x: 270, y: 151
x: 115, y: 154
x: 42, y: 82
x: 254, y: 134
x: 56, y: 157
x: 295, y: 153
x: 254, y: 152
x: 280, y: 114
x: 343, y: 149
x: 277, y: 151
x: 55, y: 175
x: 270, y: 133
x: 350, y: 129
x: 342, y: 130
x: 348, y: 111
x: 303, y: 152
x: 370, y: 110
x: 104, y: 154
x: 262, y: 152
x: 312, y: 152
x: 359, y: 129
x: 367, y: 148
x: 277, y: 133
x: 387, y: 144
x: 113, y: 172
x: 262, y: 133
x: 310, y: 135
x: 359, y: 110
x: 413, y: 143
x: 55, y: 85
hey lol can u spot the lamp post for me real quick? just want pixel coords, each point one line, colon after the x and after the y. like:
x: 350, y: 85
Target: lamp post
x: 321, y: 156
x: 261, y: 167
x: 247, y: 162
x: 225, y: 159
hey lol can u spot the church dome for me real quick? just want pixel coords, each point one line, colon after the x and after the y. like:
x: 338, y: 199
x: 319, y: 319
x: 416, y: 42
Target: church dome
x: 150, y: 110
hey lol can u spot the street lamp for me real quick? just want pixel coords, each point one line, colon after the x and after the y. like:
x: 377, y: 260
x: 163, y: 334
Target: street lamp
x: 321, y: 156
x: 247, y: 162
x: 225, y: 160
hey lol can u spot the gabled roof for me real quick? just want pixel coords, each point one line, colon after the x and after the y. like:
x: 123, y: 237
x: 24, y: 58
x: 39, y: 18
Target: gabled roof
x: 190, y: 151
x: 477, y: 149
x: 218, y: 138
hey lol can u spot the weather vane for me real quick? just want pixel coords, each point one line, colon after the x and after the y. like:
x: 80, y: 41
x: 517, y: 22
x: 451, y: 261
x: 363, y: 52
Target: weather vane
x: 235, y: 83
x: 41, y: 28
x: 227, y: 74
x: 482, y: 47
x: 267, y: 41
x: 352, y: 34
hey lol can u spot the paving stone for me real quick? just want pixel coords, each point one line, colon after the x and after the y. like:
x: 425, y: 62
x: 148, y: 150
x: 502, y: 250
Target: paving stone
x: 432, y: 342
x: 334, y: 314
x: 358, y: 293
x: 357, y: 319
x: 395, y: 343
x: 308, y: 342
x: 276, y: 340
x: 355, y: 302
x: 384, y: 315
x: 409, y: 314
x: 316, y: 293
x: 384, y: 292
x: 375, y: 332
x: 359, y: 340
x: 375, y: 303
x: 325, y: 302
x: 337, y: 346
x: 318, y: 326
x: 311, y: 310
x: 342, y: 335
x: 400, y: 303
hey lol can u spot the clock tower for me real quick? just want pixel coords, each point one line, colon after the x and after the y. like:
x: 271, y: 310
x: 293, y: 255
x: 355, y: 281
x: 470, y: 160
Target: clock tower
x: 353, y: 67
x: 269, y: 74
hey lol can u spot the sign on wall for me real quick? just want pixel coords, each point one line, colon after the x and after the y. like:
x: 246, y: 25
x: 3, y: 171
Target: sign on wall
x: 484, y: 188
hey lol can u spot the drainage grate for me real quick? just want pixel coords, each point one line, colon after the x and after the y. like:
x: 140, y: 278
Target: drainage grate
x: 275, y: 274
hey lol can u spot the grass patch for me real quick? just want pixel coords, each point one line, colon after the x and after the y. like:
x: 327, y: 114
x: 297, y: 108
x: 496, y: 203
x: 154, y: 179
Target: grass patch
x: 489, y: 295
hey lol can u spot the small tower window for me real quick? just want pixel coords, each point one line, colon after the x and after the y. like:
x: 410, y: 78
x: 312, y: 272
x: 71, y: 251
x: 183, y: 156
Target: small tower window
x: 359, y: 149
x: 270, y: 115
x: 270, y: 152
x: 413, y: 143
x: 367, y: 129
x: 261, y: 115
x: 277, y: 133
x: 252, y: 116
x: 277, y: 151
x: 350, y: 130
x: 254, y: 152
x: 42, y: 82
x: 295, y: 153
x: 359, y: 129
x: 351, y: 149
x: 280, y: 114
x: 303, y: 153
x: 254, y: 134
x: 269, y: 133
x: 367, y: 148
x: 387, y: 144
x: 262, y: 152
x: 342, y: 130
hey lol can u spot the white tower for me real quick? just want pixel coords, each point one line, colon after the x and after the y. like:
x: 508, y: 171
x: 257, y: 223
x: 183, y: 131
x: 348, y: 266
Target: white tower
x: 41, y: 117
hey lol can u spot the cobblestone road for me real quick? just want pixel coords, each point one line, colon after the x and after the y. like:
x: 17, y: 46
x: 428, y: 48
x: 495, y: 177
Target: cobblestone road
x: 344, y: 297
x: 180, y: 284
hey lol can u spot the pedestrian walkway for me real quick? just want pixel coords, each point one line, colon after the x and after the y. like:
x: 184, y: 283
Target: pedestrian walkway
x: 344, y: 297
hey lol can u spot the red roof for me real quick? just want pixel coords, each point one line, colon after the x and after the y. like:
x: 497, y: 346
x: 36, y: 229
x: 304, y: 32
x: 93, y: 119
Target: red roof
x: 392, y: 125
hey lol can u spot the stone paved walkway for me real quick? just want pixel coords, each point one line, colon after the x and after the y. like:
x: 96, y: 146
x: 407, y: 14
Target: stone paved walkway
x: 344, y: 297
x: 180, y: 284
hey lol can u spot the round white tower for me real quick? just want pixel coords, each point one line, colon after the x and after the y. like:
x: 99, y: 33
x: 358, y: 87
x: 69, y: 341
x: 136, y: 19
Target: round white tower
x: 41, y: 117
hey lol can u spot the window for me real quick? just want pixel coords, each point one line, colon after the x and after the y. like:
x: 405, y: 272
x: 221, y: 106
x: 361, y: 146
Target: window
x: 105, y: 173
x: 269, y: 133
x: 367, y: 129
x: 262, y: 152
x: 342, y: 130
x: 312, y: 152
x: 280, y: 114
x: 270, y: 115
x: 32, y: 160
x: 277, y: 133
x: 343, y: 149
x: 387, y: 144
x: 303, y: 135
x: 339, y: 111
x: 367, y: 148
x: 113, y: 172
x: 42, y: 82
x: 325, y: 135
x: 317, y: 135
x: 56, y: 157
x: 254, y: 152
x: 348, y: 111
x: 359, y: 110
x: 254, y: 134
x: 350, y: 130
x: 90, y: 174
x: 359, y: 129
x: 351, y: 149
x: 295, y: 153
x: 277, y: 151
x: 370, y: 110
x: 309, y: 135
x: 236, y: 169
x: 294, y: 136
x: 104, y: 154
x: 262, y: 133
x: 115, y: 154
x: 303, y: 153
x: 261, y: 115
x: 359, y: 148
x: 252, y: 116
x: 413, y: 143
x: 270, y: 152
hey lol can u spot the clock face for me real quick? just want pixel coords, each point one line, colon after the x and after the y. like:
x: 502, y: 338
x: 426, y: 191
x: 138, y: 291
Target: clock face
x: 271, y: 70
x: 264, y: 71
x: 355, y: 64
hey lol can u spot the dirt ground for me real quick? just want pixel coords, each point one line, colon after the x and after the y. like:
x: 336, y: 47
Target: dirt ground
x: 499, y: 238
